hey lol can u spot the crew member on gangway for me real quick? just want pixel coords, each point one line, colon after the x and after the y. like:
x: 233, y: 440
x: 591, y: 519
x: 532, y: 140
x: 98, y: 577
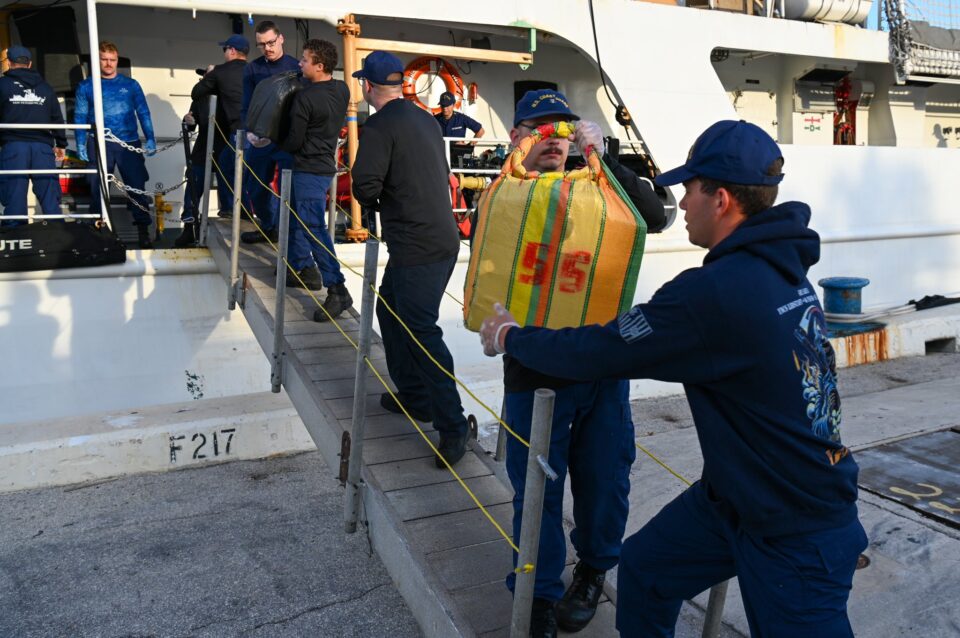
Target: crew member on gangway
x: 25, y: 98
x: 123, y: 105
x: 401, y: 170
x: 317, y: 114
x: 592, y: 432
x: 264, y: 157
x: 776, y: 504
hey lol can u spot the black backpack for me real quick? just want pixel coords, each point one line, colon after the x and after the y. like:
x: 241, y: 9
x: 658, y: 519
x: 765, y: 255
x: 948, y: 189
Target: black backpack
x: 270, y: 104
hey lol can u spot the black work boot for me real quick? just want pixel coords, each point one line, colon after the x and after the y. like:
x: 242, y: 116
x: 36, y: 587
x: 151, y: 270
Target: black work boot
x: 143, y: 236
x: 543, y: 619
x: 256, y: 237
x: 188, y: 237
x: 452, y: 447
x: 337, y: 301
x: 579, y: 603
x: 390, y: 404
x: 308, y: 278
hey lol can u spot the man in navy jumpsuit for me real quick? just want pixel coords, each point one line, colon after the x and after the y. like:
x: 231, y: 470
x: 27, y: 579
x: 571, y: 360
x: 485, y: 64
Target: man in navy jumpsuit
x: 745, y: 334
x: 592, y: 433
x: 26, y: 99
x: 123, y: 105
x: 453, y: 123
x: 264, y: 157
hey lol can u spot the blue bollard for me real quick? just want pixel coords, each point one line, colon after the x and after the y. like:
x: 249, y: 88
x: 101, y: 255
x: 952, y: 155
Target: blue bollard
x: 842, y: 295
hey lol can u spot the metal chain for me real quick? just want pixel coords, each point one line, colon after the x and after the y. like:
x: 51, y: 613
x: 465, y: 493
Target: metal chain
x: 110, y: 137
x: 163, y: 191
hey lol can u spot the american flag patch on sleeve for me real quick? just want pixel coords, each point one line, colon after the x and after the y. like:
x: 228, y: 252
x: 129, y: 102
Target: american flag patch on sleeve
x: 633, y: 325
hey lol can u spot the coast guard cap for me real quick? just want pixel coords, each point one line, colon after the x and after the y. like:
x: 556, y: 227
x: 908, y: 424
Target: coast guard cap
x: 379, y: 66
x: 17, y: 53
x: 237, y: 42
x: 729, y: 151
x: 536, y: 104
x: 447, y: 99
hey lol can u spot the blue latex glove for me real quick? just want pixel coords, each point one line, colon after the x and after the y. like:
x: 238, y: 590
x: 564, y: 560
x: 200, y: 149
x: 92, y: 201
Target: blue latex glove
x: 82, y: 153
x: 151, y: 147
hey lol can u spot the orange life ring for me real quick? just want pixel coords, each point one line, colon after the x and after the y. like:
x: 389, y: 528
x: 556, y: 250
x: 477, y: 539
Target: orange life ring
x: 426, y: 64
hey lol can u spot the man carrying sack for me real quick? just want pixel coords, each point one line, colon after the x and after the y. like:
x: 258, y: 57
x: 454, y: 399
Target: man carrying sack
x: 592, y: 432
x: 745, y: 334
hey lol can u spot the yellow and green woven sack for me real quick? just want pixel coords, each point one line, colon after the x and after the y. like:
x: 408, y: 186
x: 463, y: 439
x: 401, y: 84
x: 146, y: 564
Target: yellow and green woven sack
x: 557, y: 249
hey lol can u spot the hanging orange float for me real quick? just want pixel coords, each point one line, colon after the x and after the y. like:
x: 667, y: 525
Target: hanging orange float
x: 433, y: 65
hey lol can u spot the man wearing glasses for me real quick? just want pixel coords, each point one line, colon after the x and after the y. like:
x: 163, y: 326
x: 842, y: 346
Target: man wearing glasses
x: 226, y: 82
x: 265, y: 159
x: 592, y: 435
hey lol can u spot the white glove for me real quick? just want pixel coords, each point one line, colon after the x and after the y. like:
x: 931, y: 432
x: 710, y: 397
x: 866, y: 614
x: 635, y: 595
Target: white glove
x: 257, y: 142
x: 493, y: 330
x: 588, y: 134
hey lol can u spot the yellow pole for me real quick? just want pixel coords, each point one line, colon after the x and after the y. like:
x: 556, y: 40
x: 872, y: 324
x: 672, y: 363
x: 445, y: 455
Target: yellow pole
x: 350, y: 30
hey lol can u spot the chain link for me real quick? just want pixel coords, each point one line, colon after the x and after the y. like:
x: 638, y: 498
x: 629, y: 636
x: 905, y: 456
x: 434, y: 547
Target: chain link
x: 126, y: 190
x: 110, y: 137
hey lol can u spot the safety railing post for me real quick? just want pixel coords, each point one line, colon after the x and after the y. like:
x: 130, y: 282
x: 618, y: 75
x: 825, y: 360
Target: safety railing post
x: 351, y: 505
x: 276, y: 369
x: 501, y: 452
x: 235, y: 221
x: 537, y: 473
x: 208, y: 157
x: 332, y: 208
x: 711, y: 622
x: 100, y: 154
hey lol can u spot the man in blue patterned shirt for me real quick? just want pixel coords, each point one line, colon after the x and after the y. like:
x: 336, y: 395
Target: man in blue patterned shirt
x: 123, y: 105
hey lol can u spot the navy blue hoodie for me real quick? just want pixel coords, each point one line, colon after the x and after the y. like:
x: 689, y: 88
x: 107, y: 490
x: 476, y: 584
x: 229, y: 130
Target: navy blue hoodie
x: 26, y: 99
x: 745, y: 334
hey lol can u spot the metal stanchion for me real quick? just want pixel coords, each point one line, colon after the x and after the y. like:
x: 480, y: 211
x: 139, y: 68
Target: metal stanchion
x: 538, y: 470
x: 711, y: 623
x: 235, y: 285
x: 351, y: 505
x: 332, y: 209
x: 211, y: 131
x: 502, y: 434
x: 276, y: 369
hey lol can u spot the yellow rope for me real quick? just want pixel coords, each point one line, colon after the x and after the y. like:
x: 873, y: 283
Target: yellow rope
x: 387, y: 388
x: 661, y: 463
x: 456, y: 380
x: 405, y: 327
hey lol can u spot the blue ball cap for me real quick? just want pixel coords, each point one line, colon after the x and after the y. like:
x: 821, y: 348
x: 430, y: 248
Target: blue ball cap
x: 536, y: 104
x: 729, y: 151
x: 17, y: 53
x: 379, y: 66
x: 447, y: 99
x: 237, y: 42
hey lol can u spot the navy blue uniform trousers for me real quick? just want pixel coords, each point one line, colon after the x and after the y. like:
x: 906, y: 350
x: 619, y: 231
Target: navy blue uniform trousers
x: 792, y: 586
x: 13, y: 188
x: 226, y: 160
x: 264, y: 162
x: 592, y: 439
x: 133, y: 171
x: 414, y: 293
x: 310, y: 202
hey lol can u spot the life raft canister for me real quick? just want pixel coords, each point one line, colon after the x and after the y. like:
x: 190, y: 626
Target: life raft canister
x: 435, y: 65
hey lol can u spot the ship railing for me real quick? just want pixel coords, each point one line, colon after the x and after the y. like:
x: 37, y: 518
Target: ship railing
x: 48, y: 171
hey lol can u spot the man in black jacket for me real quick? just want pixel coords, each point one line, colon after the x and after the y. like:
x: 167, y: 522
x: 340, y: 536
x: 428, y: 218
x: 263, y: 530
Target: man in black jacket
x: 226, y: 82
x: 401, y: 170
x: 316, y: 117
x: 592, y: 432
x: 26, y: 99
